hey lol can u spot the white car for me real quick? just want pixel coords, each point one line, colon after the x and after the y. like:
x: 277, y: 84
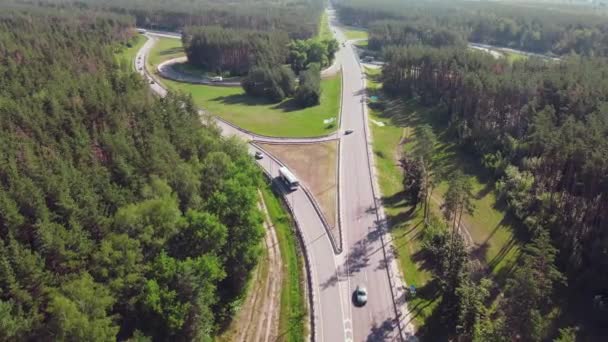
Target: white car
x: 360, y: 295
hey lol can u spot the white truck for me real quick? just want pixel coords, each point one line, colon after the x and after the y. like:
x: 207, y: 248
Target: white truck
x: 288, y: 178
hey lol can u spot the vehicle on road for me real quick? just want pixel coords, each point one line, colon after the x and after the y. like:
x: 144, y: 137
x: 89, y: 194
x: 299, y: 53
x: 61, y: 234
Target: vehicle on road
x: 152, y: 82
x: 142, y: 31
x: 348, y: 131
x: 259, y: 155
x: 360, y: 296
x: 289, y: 179
x: 217, y: 79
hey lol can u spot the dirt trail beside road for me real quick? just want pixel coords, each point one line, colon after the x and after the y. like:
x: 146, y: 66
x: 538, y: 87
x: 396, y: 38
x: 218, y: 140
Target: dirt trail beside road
x: 258, y: 318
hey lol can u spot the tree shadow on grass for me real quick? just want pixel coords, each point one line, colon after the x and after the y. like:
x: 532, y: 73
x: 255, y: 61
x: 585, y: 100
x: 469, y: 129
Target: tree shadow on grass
x: 289, y: 105
x: 435, y: 327
x: 171, y: 51
x: 242, y: 99
x: 395, y: 201
x: 423, y: 260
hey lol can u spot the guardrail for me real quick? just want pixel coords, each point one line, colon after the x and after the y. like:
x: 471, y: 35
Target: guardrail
x: 307, y: 262
x: 339, y: 167
x: 337, y: 249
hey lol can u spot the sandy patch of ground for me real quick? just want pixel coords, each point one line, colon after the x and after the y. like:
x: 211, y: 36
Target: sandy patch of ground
x: 315, y: 165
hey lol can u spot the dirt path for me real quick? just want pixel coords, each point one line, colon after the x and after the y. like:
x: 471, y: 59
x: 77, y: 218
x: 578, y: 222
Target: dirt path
x: 258, y: 318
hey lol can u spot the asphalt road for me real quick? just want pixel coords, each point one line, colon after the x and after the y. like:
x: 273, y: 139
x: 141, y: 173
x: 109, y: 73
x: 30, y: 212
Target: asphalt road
x: 363, y: 260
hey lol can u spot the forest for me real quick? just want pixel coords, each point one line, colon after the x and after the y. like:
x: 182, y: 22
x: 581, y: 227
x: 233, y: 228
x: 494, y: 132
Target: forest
x: 109, y: 197
x: 535, y: 27
x: 235, y: 51
x: 541, y: 129
x: 299, y: 18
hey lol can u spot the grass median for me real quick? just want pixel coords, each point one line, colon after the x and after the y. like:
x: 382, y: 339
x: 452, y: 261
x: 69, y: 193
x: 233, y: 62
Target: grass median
x: 293, y: 316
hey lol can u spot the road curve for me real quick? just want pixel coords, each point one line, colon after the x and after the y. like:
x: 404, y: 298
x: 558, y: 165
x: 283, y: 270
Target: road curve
x: 225, y: 125
x: 328, y: 302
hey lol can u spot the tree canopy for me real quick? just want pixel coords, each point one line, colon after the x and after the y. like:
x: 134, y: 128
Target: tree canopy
x: 298, y: 18
x: 536, y: 27
x: 234, y: 51
x: 121, y: 214
x: 541, y: 128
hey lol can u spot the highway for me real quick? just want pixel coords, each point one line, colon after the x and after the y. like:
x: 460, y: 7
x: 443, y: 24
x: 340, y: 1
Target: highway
x: 362, y: 225
x: 362, y: 262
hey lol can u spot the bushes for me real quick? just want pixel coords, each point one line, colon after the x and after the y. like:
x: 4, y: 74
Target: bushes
x: 274, y: 84
x: 309, y: 91
x: 302, y: 53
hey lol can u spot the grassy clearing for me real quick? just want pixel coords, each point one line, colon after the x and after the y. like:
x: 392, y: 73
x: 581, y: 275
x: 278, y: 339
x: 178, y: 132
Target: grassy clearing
x: 293, y: 315
x: 260, y: 116
x: 496, y: 247
x: 355, y: 33
x: 405, y: 222
x: 491, y: 229
x: 127, y: 54
x: 315, y: 165
x: 164, y: 49
x: 253, y: 113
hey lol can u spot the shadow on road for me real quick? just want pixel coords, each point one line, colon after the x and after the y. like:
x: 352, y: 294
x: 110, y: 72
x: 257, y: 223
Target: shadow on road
x: 387, y: 331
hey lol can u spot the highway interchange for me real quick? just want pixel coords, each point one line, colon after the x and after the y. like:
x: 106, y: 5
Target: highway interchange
x: 366, y: 258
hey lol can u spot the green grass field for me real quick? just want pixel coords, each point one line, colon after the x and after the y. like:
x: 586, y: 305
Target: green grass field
x: 293, y: 308
x: 355, y: 33
x: 127, y: 54
x: 253, y: 113
x: 495, y: 244
x: 165, y: 49
x: 260, y: 116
